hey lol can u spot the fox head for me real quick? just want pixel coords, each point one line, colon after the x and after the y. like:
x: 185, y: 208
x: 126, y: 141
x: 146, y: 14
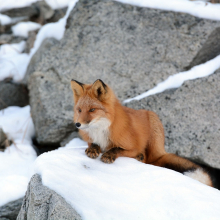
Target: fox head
x: 93, y: 104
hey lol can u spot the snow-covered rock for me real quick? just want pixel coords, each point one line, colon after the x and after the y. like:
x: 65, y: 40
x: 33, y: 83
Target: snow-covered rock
x: 126, y: 189
x: 130, y: 48
x: 190, y: 115
x: 42, y: 203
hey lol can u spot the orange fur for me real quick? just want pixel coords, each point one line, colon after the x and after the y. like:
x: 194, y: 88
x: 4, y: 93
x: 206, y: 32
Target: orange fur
x: 130, y: 133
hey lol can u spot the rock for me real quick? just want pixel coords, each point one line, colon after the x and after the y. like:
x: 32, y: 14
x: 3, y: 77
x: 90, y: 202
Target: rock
x: 46, y: 45
x: 58, y: 14
x: 30, y: 40
x: 10, y: 39
x: 210, y: 47
x: 10, y: 210
x: 28, y: 11
x: 42, y: 203
x: 39, y: 10
x: 5, y: 38
x: 45, y: 12
x: 2, y: 140
x: 5, y: 29
x: 55, y: 121
x: 190, y: 115
x: 130, y: 48
x: 12, y: 94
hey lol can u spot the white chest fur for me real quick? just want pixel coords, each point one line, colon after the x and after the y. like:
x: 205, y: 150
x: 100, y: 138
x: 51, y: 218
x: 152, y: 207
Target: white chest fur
x: 98, y: 131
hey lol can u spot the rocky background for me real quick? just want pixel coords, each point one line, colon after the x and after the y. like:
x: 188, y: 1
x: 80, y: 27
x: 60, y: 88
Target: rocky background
x: 132, y: 49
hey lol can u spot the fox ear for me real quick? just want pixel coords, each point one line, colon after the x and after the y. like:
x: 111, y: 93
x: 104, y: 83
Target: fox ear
x: 77, y: 88
x: 99, y: 89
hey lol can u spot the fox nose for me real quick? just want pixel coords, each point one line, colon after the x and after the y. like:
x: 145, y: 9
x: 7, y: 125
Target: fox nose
x: 78, y: 124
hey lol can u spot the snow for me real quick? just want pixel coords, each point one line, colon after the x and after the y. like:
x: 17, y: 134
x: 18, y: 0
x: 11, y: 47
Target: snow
x: 18, y: 159
x: 178, y: 79
x: 4, y: 19
x: 22, y: 28
x: 16, y: 67
x: 55, y: 30
x: 55, y: 4
x: 14, y: 63
x: 196, y: 8
x: 10, y: 4
x: 126, y: 189
x: 12, y: 48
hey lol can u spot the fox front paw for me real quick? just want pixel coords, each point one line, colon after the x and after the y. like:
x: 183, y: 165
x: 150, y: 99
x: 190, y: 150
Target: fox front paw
x: 108, y: 157
x: 93, y: 151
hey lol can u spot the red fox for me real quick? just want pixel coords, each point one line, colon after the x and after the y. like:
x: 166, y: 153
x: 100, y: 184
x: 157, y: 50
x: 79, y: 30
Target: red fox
x: 118, y: 131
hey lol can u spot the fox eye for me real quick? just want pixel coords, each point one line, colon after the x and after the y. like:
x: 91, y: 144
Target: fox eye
x: 80, y: 110
x: 92, y: 110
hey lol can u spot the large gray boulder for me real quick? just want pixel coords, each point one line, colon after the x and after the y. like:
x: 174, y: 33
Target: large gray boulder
x: 190, y: 115
x: 130, y: 48
x: 10, y: 210
x: 53, y: 110
x: 42, y: 203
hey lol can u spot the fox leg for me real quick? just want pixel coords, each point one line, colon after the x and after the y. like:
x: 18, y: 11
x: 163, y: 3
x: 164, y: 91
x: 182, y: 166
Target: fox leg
x: 115, y: 152
x: 111, y: 155
x: 93, y: 151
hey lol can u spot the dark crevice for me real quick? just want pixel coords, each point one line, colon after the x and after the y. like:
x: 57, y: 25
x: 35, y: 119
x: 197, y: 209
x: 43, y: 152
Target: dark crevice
x: 42, y: 148
x: 210, y: 49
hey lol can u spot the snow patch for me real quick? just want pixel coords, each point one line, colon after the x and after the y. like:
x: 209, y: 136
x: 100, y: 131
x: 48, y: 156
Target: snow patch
x: 10, y: 4
x: 196, y: 8
x: 55, y: 30
x: 18, y: 159
x: 22, y: 28
x: 4, y: 19
x: 126, y: 189
x: 13, y: 63
x: 12, y: 48
x: 178, y: 79
x: 55, y: 4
